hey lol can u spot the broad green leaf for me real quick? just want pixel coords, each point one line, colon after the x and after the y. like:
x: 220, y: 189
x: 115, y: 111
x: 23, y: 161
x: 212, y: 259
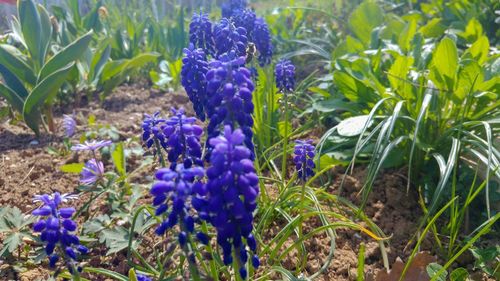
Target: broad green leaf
x: 469, y: 79
x: 13, y: 82
x: 472, y: 31
x: 41, y: 94
x: 398, y: 77
x: 480, y: 49
x: 407, y: 35
x: 13, y: 60
x: 352, y: 88
x: 74, y: 168
x: 46, y: 30
x: 459, y: 274
x: 432, y: 270
x: 444, y: 64
x: 12, y: 98
x: 364, y: 19
x: 31, y: 27
x: 67, y: 55
x: 434, y: 28
x: 98, y: 62
x: 118, y: 156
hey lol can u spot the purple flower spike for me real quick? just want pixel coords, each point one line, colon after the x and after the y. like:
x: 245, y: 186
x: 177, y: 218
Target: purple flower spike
x: 304, y: 159
x: 262, y: 39
x: 229, y: 198
x: 92, y: 172
x: 92, y: 145
x: 151, y: 130
x: 285, y: 76
x: 200, y: 33
x: 183, y: 139
x: 57, y: 229
x: 229, y: 38
x: 69, y: 125
x: 193, y: 78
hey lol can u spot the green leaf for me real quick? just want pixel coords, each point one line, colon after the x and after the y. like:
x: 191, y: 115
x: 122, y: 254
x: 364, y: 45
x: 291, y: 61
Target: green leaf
x: 131, y: 275
x: 398, y: 74
x: 42, y: 93
x: 31, y: 27
x: 16, y: 63
x: 480, y: 49
x: 444, y: 64
x: 434, y: 28
x: 11, y: 243
x: 106, y: 272
x: 407, y: 35
x: 13, y: 82
x: 98, y: 62
x: 364, y: 19
x: 472, y: 31
x: 469, y: 79
x: 118, y: 156
x: 282, y: 127
x: 46, y: 29
x: 459, y: 274
x: 74, y: 168
x: 432, y: 270
x: 67, y: 55
x: 12, y: 98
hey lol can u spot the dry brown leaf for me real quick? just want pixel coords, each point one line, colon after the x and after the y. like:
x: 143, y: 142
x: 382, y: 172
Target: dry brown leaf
x: 416, y: 271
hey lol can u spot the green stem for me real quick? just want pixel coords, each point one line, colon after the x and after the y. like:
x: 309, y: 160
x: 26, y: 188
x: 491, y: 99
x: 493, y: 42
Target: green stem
x: 285, y: 138
x: 213, y: 265
x: 160, y: 153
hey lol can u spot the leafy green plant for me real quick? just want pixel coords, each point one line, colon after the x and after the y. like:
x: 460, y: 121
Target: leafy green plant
x: 15, y: 227
x: 32, y: 74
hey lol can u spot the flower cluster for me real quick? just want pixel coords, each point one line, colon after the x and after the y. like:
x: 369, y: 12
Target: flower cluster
x: 57, y: 228
x: 194, y: 70
x: 228, y: 199
x: 245, y: 18
x: 285, y: 76
x: 230, y: 90
x: 228, y: 38
x: 229, y: 7
x: 92, y: 172
x: 183, y: 139
x: 141, y: 277
x: 172, y: 194
x: 200, y: 33
x: 262, y: 39
x: 304, y: 159
x: 151, y: 130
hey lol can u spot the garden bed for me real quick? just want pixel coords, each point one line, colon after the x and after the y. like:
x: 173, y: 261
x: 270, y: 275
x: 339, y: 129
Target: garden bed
x: 28, y: 167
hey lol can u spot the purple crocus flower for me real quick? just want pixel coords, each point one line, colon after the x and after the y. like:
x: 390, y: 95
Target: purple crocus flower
x: 92, y: 172
x: 304, y: 159
x: 69, y: 125
x: 57, y: 230
x: 92, y: 145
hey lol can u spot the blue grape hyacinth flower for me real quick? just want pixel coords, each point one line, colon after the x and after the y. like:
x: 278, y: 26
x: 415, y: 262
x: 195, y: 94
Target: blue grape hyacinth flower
x: 262, y: 40
x: 201, y: 34
x: 245, y: 18
x: 229, y: 38
x: 229, y: 198
x: 58, y: 230
x: 230, y: 88
x: 285, y: 76
x: 229, y: 7
x: 151, y: 130
x: 172, y: 198
x: 183, y: 139
x: 193, y: 78
x: 141, y: 277
x: 304, y: 159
